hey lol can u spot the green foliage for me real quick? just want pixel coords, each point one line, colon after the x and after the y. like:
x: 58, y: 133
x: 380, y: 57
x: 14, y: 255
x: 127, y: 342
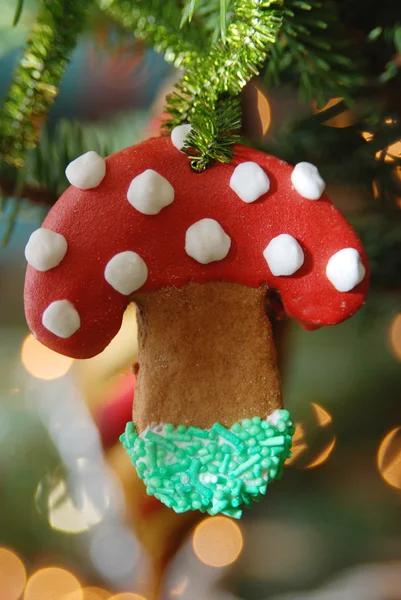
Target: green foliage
x: 18, y: 12
x: 36, y: 79
x: 214, y: 131
x: 313, y: 51
x: 43, y: 179
x: 214, y: 68
x: 158, y: 23
x: 390, y: 35
x: 71, y: 139
x: 382, y: 241
x: 222, y: 71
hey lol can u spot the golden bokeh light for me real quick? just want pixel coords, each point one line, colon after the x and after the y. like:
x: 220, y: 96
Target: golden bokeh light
x: 299, y: 444
x: 323, y: 417
x: 367, y: 135
x: 344, y: 119
x: 217, y: 541
x: 41, y: 362
x: 375, y: 190
x: 323, y: 456
x: 394, y: 149
x: 12, y: 575
x: 89, y: 593
x: 395, y: 336
x: 329, y: 104
x: 180, y: 588
x: 389, y: 458
x: 127, y: 596
x: 313, y: 442
x: 390, y: 154
x: 52, y: 583
x: 264, y: 112
x: 96, y: 373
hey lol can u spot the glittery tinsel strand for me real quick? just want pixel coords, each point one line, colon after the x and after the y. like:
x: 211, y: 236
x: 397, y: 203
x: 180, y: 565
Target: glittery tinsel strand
x: 38, y: 75
x: 221, y: 74
x: 214, y: 72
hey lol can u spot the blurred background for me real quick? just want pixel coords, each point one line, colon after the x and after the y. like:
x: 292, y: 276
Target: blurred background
x: 75, y: 522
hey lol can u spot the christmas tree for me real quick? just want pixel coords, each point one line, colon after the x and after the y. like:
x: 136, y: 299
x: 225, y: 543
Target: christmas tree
x: 335, y: 67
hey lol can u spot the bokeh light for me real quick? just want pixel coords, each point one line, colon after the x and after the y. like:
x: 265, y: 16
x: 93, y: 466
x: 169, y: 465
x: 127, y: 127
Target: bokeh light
x: 217, y: 541
x: 389, y: 458
x: 313, y: 441
x: 12, y: 575
x: 344, y: 119
x: 89, y: 593
x: 114, y: 551
x: 323, y: 417
x: 127, y: 596
x: 98, y: 372
x: 299, y: 444
x: 52, y: 583
x: 323, y: 456
x: 391, y: 153
x: 367, y: 135
x: 41, y: 362
x: 180, y: 588
x: 64, y: 516
x: 395, y: 336
x: 375, y: 190
x: 263, y: 108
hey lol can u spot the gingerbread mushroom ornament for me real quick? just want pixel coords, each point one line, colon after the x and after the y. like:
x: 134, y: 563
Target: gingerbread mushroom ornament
x: 197, y: 254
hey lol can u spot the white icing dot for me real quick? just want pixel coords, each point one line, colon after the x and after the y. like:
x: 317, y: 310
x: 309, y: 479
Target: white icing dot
x: 284, y: 255
x: 45, y: 249
x: 249, y: 181
x: 206, y: 241
x: 149, y: 192
x: 87, y: 171
x: 126, y: 272
x: 345, y: 269
x: 307, y: 181
x: 275, y: 417
x: 61, y: 318
x: 179, y: 134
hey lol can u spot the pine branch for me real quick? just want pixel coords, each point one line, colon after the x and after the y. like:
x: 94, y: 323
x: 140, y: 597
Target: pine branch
x: 344, y: 155
x: 213, y: 16
x: 313, y: 51
x: 38, y: 75
x: 214, y: 68
x: 214, y: 131
x: 18, y: 12
x: 223, y: 70
x: 43, y: 178
x: 390, y: 35
x: 31, y: 192
x: 158, y: 23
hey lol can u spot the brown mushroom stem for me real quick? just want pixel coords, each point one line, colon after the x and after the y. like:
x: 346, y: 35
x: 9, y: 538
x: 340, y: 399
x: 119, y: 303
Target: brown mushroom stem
x: 206, y: 354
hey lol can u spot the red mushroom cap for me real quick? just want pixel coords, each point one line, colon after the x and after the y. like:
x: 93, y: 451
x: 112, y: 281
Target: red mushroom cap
x: 99, y: 223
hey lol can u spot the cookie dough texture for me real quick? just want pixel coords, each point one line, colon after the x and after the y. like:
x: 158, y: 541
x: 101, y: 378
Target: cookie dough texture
x: 206, y: 355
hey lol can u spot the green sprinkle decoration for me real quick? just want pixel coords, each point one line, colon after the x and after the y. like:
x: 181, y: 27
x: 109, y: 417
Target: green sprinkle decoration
x: 214, y: 471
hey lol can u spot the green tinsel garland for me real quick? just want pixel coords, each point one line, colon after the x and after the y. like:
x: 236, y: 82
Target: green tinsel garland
x: 214, y: 69
x: 36, y: 79
x: 224, y: 70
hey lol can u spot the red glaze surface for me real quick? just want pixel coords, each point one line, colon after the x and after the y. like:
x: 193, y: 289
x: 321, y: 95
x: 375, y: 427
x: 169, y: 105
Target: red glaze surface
x: 99, y: 223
